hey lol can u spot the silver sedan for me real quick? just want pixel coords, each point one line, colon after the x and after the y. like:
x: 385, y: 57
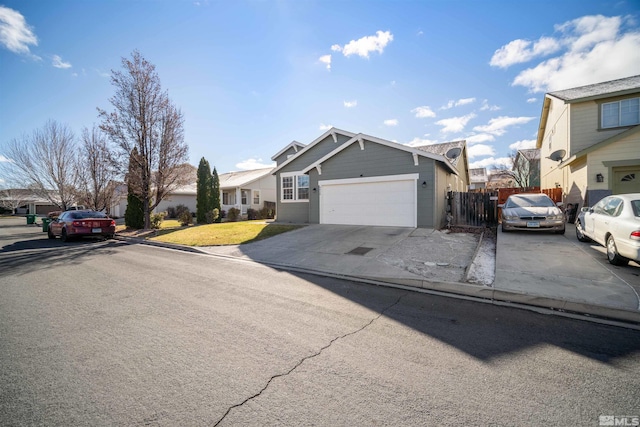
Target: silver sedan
x: 613, y: 222
x: 533, y: 212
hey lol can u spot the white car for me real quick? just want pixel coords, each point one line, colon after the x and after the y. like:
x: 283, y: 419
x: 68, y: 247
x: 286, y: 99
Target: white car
x: 532, y: 212
x: 613, y: 222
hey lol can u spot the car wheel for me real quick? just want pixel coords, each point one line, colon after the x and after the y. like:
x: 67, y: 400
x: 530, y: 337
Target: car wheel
x: 580, y: 232
x: 50, y: 234
x: 612, y: 253
x: 561, y: 231
x: 504, y: 230
x: 63, y: 236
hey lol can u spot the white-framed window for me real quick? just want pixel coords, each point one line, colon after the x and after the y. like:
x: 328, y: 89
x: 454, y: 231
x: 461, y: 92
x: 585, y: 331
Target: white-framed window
x: 256, y: 197
x: 295, y: 186
x: 244, y: 195
x: 228, y: 198
x: 625, y: 112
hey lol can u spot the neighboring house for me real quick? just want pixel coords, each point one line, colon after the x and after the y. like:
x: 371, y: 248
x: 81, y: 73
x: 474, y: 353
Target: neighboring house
x: 247, y: 189
x: 240, y: 190
x: 347, y: 178
x: 23, y: 201
x: 589, y: 139
x: 478, y: 178
x: 526, y: 167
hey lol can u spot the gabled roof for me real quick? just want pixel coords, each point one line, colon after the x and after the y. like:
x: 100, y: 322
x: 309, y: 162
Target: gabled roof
x: 444, y: 149
x: 333, y: 132
x: 360, y: 138
x: 625, y: 86
x: 530, y: 153
x: 599, y: 90
x: 242, y: 178
x: 297, y: 146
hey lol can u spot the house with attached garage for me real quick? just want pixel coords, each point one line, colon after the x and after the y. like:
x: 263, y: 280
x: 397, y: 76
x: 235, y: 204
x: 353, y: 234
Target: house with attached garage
x: 347, y: 178
x: 589, y: 140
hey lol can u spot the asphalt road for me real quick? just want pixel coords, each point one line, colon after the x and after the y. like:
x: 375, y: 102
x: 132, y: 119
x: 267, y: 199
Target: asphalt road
x: 108, y: 333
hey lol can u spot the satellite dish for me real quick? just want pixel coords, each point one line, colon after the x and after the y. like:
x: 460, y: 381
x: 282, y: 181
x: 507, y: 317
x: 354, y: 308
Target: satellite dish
x: 557, y: 155
x: 453, y: 153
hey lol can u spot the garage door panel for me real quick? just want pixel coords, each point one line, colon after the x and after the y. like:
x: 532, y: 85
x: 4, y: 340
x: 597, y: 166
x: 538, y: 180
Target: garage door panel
x: 385, y: 203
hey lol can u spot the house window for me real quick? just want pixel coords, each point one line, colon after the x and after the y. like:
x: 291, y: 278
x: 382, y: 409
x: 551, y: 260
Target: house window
x: 228, y: 198
x: 256, y: 197
x: 244, y: 194
x: 621, y: 113
x: 295, y: 187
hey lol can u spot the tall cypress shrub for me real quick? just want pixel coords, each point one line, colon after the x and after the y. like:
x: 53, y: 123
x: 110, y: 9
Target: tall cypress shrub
x: 134, y: 214
x: 203, y: 192
x: 215, y: 193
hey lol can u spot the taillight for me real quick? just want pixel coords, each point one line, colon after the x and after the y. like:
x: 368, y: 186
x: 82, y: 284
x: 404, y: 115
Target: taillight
x: 635, y: 235
x: 112, y: 223
x: 77, y: 223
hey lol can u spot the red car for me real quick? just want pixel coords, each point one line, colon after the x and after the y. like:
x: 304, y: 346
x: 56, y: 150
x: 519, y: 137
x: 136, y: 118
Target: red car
x: 75, y: 224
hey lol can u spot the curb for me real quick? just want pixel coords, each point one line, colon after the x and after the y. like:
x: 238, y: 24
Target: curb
x: 545, y: 305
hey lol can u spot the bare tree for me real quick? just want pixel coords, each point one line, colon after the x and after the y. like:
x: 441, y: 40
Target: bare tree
x: 145, y: 118
x: 524, y: 170
x: 45, y: 161
x: 13, y: 198
x: 98, y: 172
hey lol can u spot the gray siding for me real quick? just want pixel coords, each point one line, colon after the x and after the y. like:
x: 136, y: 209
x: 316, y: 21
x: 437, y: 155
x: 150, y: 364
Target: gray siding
x: 376, y: 160
x: 284, y: 156
x: 299, y: 212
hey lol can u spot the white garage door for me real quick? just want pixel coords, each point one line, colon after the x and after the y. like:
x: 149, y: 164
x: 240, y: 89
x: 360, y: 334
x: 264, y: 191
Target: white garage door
x: 385, y: 201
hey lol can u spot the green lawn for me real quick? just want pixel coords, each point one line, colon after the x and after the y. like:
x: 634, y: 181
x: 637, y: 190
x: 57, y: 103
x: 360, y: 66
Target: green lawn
x: 227, y: 233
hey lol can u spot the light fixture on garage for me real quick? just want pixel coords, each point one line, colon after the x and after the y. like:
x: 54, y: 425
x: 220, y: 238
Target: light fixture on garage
x: 599, y: 177
x: 424, y: 184
x: 315, y: 189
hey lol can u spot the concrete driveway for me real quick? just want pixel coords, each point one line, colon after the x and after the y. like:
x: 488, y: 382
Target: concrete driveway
x: 391, y: 254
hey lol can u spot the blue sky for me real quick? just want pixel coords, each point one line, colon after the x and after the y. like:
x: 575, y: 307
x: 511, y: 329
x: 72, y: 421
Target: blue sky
x: 250, y: 76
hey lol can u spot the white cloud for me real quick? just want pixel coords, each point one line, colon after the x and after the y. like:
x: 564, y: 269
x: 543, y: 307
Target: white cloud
x: 4, y: 159
x: 498, y: 125
x: 326, y: 59
x: 479, y: 137
x: 350, y: 104
x: 591, y: 49
x: 480, y: 150
x: 362, y: 47
x: 423, y: 112
x: 455, y: 124
x: 391, y: 122
x: 59, y: 63
x: 15, y: 34
x: 519, y: 51
x: 418, y: 142
x: 500, y: 163
x: 459, y: 102
x: 252, y: 163
x: 325, y: 127
x: 487, y: 107
x: 524, y: 144
x: 531, y: 100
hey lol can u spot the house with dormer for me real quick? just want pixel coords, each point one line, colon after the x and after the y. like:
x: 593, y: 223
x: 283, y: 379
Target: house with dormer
x: 343, y: 177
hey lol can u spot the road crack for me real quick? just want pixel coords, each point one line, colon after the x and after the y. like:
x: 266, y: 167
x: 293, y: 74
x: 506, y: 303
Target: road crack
x: 311, y: 356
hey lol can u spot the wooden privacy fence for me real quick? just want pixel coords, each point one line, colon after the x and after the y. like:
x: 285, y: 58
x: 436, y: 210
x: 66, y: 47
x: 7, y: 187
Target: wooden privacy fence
x: 473, y: 209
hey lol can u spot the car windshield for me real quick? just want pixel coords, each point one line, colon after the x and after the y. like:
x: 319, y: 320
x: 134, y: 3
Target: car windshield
x: 87, y: 214
x: 635, y: 205
x: 529, y: 201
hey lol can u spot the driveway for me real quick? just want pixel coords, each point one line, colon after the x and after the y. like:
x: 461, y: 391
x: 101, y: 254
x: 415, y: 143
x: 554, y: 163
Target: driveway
x: 391, y: 254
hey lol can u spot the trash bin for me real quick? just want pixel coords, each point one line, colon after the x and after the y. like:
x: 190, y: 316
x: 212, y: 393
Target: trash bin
x: 31, y: 218
x: 45, y: 224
